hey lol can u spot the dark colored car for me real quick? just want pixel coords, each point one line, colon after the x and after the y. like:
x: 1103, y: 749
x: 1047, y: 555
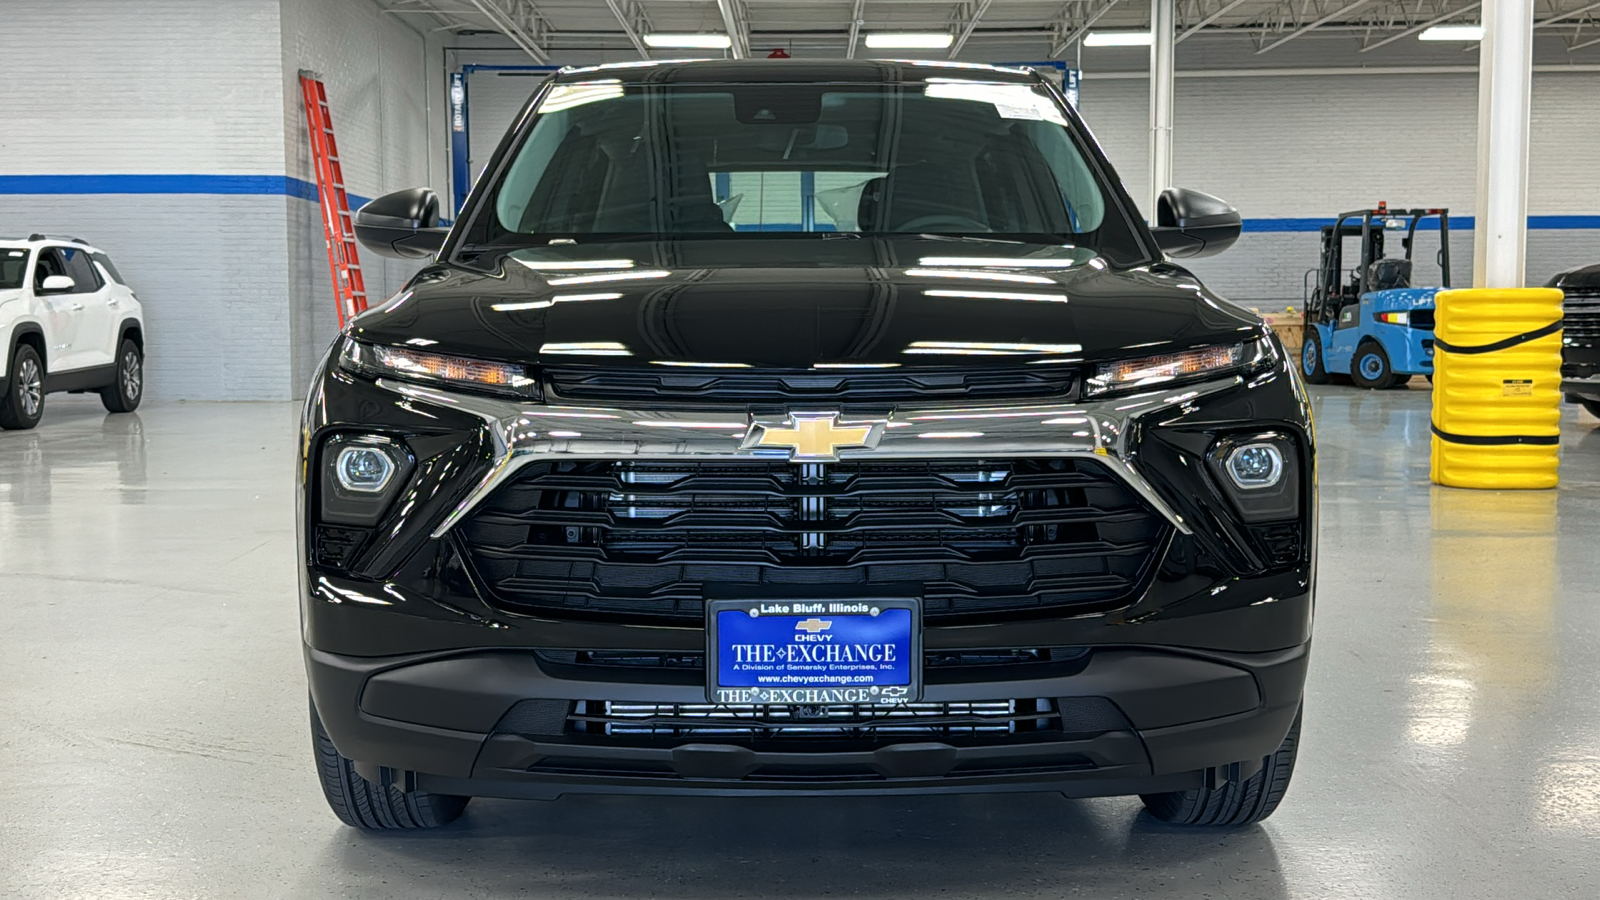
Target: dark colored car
x: 827, y: 428
x: 1580, y: 336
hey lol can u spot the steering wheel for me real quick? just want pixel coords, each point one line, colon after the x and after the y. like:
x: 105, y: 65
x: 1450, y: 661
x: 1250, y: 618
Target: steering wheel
x: 945, y: 221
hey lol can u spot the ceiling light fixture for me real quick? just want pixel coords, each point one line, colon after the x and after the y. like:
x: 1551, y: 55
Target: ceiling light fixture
x: 1118, y: 39
x: 909, y: 40
x: 1452, y: 33
x: 688, y: 41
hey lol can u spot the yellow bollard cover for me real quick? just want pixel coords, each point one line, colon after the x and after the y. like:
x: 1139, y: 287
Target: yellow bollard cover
x: 1497, y: 387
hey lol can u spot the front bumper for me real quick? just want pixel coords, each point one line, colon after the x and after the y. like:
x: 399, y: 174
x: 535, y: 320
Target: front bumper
x: 415, y: 664
x: 440, y: 723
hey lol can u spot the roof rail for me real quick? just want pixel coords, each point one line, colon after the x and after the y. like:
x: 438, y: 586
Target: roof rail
x: 37, y: 236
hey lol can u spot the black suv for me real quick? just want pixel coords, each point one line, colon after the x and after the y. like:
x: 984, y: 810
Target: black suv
x: 1580, y: 336
x: 804, y: 427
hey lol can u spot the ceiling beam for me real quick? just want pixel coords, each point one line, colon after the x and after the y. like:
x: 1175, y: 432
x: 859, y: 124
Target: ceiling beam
x: 1567, y: 15
x: 738, y: 33
x: 634, y: 13
x: 978, y: 9
x: 1066, y: 42
x: 509, y: 26
x: 1227, y: 8
x: 1422, y: 26
x: 1305, y: 29
x: 855, y: 29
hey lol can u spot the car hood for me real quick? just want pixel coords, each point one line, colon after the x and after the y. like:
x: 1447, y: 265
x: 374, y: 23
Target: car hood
x: 862, y: 304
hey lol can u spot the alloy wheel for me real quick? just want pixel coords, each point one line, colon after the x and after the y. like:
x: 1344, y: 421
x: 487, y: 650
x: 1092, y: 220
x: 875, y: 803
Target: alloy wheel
x: 31, y: 387
x: 132, y: 378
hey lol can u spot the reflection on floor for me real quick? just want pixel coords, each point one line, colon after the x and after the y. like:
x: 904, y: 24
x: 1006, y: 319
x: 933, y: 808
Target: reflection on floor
x: 153, y: 739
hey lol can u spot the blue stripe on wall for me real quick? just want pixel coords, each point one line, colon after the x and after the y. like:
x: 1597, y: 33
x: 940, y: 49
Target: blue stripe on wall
x: 269, y: 185
x: 284, y: 185
x: 1463, y: 223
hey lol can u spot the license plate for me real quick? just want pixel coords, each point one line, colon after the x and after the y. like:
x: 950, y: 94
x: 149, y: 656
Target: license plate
x: 809, y: 652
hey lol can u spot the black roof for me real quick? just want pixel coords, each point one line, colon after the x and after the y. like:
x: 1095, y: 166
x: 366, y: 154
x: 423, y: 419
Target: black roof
x: 869, y: 71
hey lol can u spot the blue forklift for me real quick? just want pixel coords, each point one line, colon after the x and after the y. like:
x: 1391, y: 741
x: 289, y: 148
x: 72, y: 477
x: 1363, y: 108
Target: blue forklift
x: 1372, y: 322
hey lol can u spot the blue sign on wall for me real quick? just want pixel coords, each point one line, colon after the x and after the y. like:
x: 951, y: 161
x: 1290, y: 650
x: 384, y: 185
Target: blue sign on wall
x: 460, y: 175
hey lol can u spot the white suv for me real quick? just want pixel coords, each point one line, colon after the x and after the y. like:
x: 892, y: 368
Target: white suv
x: 68, y: 322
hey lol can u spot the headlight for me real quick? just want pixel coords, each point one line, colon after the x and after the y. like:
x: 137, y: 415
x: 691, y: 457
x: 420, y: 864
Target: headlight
x: 376, y: 360
x: 1147, y: 371
x: 1394, y: 318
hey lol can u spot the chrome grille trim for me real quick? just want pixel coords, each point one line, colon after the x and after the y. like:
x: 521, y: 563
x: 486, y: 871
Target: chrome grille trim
x: 1096, y: 430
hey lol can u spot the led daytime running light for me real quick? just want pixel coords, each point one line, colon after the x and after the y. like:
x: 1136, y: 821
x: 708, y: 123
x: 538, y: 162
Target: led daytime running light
x: 1149, y: 370
x: 374, y: 359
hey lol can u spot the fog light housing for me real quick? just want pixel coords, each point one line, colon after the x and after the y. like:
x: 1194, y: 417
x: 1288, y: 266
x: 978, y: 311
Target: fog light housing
x: 1260, y: 473
x: 364, y: 469
x: 361, y: 475
x: 1253, y: 467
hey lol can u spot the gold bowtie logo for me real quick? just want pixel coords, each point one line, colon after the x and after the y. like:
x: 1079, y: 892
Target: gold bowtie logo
x: 813, y: 625
x: 812, y: 436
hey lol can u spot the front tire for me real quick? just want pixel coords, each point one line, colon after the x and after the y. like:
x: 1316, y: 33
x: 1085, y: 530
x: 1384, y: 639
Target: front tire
x: 1371, y: 368
x: 124, y: 394
x: 1233, y: 803
x: 23, y: 404
x: 1311, y: 364
x: 361, y: 804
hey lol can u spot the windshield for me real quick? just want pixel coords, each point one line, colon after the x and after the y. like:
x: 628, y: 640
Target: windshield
x: 13, y: 266
x: 945, y: 158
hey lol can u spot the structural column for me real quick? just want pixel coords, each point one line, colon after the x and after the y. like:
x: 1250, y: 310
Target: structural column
x: 1505, y: 78
x: 1161, y: 86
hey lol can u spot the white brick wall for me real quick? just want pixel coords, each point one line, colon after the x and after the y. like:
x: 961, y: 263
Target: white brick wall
x: 158, y: 86
x: 161, y: 87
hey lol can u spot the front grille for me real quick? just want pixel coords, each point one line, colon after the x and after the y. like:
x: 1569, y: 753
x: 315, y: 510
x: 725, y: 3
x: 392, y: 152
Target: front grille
x: 636, y: 660
x: 645, y: 539
x: 787, y: 388
x: 1581, y: 318
x: 1065, y: 715
x: 911, y: 719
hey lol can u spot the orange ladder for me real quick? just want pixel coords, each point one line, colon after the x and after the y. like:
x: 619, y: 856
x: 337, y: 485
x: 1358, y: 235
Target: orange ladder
x: 349, y: 288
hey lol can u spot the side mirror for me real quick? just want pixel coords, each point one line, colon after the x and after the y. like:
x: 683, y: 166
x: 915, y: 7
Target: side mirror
x: 57, y: 284
x: 1191, y: 224
x: 404, y: 224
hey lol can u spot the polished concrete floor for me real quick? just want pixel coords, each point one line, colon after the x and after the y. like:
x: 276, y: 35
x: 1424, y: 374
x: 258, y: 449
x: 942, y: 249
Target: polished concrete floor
x: 153, y: 740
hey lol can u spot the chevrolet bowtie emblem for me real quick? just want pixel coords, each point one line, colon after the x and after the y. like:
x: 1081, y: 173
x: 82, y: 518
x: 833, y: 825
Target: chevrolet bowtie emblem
x: 813, y: 625
x: 810, y: 437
